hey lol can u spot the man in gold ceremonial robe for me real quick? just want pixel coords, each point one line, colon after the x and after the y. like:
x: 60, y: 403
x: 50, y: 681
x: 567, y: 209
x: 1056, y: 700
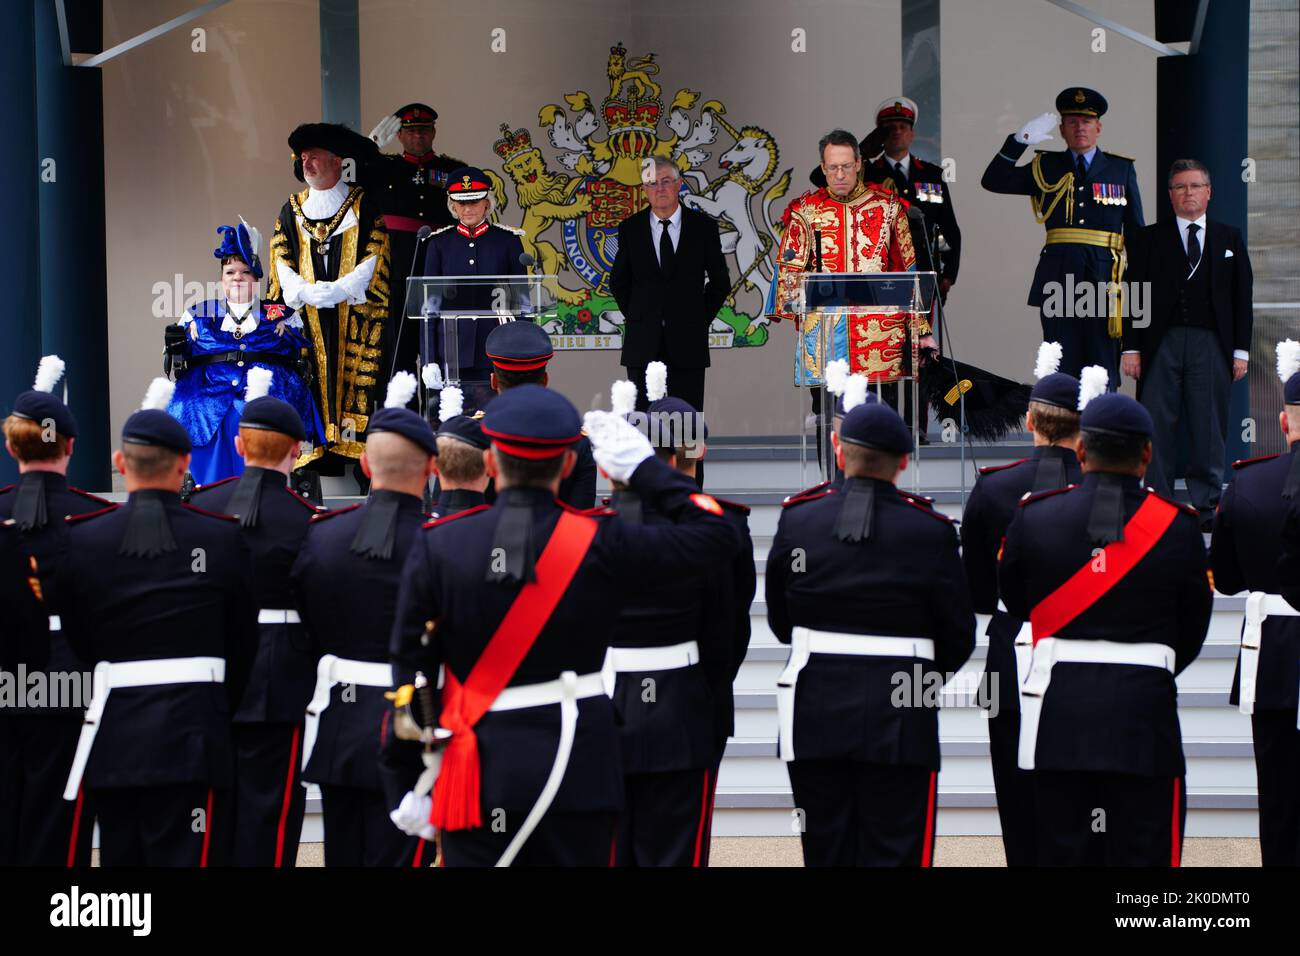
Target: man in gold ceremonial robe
x: 330, y: 258
x: 863, y: 228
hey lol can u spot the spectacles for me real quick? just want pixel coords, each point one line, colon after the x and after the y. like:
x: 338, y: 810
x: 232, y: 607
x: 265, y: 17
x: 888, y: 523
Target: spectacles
x: 662, y: 183
x: 841, y: 168
x: 1184, y: 187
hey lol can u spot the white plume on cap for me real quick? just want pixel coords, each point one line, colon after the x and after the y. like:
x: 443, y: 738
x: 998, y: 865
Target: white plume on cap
x: 837, y: 374
x: 1288, y: 359
x: 159, y: 394
x: 450, y: 403
x: 259, y: 383
x: 656, y: 381
x: 401, y: 389
x: 50, y: 371
x: 1049, y: 359
x: 1093, y: 380
x: 855, y: 391
x: 254, y: 236
x: 622, y: 396
x: 432, y: 375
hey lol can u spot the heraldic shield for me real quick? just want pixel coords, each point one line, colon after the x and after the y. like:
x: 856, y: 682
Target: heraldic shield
x: 872, y: 320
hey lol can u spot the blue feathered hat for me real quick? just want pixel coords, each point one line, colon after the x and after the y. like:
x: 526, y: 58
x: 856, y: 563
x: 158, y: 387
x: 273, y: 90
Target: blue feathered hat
x: 242, y: 241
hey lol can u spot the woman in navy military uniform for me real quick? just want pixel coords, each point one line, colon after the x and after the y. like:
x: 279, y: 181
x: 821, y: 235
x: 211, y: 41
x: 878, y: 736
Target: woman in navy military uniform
x: 222, y: 340
x: 474, y: 246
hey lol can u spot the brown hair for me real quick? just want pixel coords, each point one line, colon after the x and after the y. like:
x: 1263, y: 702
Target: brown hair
x: 458, y: 461
x: 862, y: 462
x: 1054, y: 423
x: 149, y: 461
x: 30, y: 441
x: 528, y: 472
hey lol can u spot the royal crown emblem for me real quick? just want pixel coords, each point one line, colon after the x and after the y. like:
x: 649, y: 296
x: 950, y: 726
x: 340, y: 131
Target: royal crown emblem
x: 512, y: 143
x: 1080, y: 97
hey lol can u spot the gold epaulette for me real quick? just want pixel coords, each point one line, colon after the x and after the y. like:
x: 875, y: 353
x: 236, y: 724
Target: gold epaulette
x: 1129, y: 159
x: 517, y: 232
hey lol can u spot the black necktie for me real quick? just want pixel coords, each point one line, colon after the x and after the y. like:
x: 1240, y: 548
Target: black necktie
x: 902, y: 176
x: 665, y: 248
x: 1082, y: 168
x: 1193, y: 248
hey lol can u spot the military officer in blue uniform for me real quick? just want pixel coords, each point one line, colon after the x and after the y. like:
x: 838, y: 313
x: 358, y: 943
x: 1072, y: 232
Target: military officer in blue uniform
x: 675, y: 653
x: 851, y: 583
x: 269, y: 799
x: 346, y: 579
x: 411, y: 189
x: 1244, y: 552
x: 37, y: 827
x: 158, y: 596
x: 519, y: 353
x: 1053, y: 420
x: 474, y: 246
x: 1113, y: 580
x: 1088, y: 201
x: 518, y: 603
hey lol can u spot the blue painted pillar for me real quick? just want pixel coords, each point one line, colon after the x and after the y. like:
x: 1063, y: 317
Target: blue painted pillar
x: 73, y: 278
x: 20, y: 326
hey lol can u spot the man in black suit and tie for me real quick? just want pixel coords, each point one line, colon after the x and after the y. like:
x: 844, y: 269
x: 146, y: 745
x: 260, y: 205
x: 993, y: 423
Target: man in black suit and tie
x: 669, y: 280
x: 1196, y: 339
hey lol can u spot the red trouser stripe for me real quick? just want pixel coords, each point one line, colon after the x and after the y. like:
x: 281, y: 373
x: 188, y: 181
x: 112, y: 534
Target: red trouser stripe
x: 207, y: 830
x: 76, y: 828
x: 419, y: 853
x: 704, y: 814
x: 927, y: 850
x: 1175, y: 835
x: 288, y: 798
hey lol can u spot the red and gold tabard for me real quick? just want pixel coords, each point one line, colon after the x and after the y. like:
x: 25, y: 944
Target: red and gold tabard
x: 868, y: 232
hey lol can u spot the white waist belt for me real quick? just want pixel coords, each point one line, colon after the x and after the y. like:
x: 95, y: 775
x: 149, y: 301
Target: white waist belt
x: 804, y: 642
x: 56, y: 623
x: 278, y: 615
x: 1259, y: 607
x: 566, y: 691
x: 331, y: 670
x: 109, y: 674
x: 1050, y: 651
x: 633, y: 660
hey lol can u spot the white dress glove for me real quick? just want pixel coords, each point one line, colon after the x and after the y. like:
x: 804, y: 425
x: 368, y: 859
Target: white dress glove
x: 1037, y: 130
x: 616, y: 445
x: 383, y: 133
x: 412, y: 816
x: 322, y: 294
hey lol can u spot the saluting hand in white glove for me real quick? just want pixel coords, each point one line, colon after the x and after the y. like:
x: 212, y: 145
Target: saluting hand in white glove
x: 1038, y: 130
x: 616, y: 445
x: 383, y: 133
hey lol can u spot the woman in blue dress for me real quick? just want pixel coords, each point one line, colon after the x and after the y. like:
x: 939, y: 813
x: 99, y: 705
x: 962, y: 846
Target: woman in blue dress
x: 224, y: 338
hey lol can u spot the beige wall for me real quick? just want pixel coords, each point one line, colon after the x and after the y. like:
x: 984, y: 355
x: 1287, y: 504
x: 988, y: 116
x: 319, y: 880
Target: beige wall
x: 193, y: 139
